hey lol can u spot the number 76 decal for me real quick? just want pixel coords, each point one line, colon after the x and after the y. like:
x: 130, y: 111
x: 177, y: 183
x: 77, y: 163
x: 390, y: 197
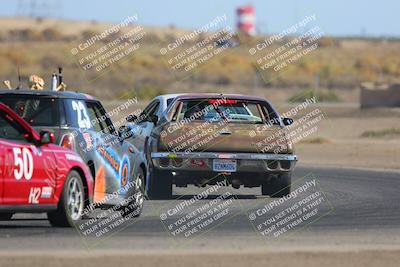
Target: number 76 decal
x: 23, y: 163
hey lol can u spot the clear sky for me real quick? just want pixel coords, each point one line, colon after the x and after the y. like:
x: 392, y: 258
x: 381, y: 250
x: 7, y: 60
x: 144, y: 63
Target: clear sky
x: 335, y: 17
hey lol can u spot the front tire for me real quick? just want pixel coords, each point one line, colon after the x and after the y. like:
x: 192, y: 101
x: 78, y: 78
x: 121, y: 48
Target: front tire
x: 160, y: 184
x: 279, y: 187
x: 70, y: 207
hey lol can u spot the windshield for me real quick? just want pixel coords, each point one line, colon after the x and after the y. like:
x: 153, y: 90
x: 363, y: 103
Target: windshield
x: 36, y: 110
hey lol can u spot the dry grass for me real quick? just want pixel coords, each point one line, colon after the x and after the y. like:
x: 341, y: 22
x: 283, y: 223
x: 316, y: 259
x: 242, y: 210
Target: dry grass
x: 391, y: 132
x: 315, y: 141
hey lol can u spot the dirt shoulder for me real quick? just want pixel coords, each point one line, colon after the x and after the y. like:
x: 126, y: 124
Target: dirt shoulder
x: 341, y: 153
x: 356, y: 138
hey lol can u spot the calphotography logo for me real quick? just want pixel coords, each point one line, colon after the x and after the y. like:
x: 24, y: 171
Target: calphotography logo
x: 192, y: 216
x: 97, y: 54
x: 195, y: 49
x: 304, y: 205
x: 279, y: 51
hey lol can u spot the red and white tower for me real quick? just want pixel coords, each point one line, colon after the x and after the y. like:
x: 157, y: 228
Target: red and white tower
x: 246, y: 19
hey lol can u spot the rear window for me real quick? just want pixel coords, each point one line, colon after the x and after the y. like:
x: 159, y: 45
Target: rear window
x: 36, y: 110
x: 78, y: 114
x: 240, y: 111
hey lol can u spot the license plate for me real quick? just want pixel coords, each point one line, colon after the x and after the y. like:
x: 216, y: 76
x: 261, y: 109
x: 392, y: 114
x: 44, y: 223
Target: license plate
x: 224, y: 165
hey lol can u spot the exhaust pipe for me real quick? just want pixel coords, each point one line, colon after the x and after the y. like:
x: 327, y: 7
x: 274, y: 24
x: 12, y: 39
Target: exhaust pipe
x: 236, y: 183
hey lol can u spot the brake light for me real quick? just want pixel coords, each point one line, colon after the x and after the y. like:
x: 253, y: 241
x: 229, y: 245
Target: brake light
x: 198, y: 162
x: 222, y: 101
x: 67, y: 142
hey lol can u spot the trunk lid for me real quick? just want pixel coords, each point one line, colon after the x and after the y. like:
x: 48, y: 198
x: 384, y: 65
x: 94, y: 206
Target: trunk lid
x: 223, y: 137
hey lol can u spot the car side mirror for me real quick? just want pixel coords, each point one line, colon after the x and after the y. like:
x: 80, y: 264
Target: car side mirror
x: 287, y: 121
x: 154, y: 119
x: 131, y: 118
x: 47, y: 137
x: 124, y: 132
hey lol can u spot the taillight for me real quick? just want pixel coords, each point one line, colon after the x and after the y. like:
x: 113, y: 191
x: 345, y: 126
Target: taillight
x: 177, y: 162
x: 67, y: 142
x: 198, y: 162
x: 222, y: 101
x: 164, y: 162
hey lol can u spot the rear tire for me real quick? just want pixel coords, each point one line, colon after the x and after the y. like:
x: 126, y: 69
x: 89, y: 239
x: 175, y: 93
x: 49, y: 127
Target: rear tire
x: 6, y: 216
x: 279, y: 187
x: 160, y: 184
x: 70, y: 207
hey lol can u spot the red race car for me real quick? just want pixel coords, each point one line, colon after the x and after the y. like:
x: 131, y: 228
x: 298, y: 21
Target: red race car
x: 38, y: 176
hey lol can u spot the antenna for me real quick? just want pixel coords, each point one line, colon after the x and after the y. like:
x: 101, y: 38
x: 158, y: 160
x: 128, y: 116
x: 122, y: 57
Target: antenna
x: 19, y: 79
x: 60, y: 77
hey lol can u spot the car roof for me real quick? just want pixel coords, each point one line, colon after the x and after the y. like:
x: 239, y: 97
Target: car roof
x: 168, y: 96
x: 48, y: 93
x: 219, y: 95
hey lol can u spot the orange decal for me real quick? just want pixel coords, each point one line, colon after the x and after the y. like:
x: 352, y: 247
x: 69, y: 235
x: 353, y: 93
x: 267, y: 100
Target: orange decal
x: 114, y: 164
x: 124, y: 178
x: 100, y: 185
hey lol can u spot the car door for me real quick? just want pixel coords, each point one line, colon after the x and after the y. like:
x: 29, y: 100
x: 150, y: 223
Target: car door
x: 109, y: 147
x: 88, y: 139
x: 145, y: 126
x: 27, y: 177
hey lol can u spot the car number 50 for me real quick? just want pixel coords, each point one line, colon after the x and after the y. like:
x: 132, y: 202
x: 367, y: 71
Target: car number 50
x: 23, y: 163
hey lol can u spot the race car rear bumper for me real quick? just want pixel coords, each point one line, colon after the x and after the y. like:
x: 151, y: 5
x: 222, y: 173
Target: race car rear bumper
x: 203, y: 161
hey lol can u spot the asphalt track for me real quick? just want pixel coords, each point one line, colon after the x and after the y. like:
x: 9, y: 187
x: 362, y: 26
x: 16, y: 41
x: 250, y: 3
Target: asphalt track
x: 360, y: 208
